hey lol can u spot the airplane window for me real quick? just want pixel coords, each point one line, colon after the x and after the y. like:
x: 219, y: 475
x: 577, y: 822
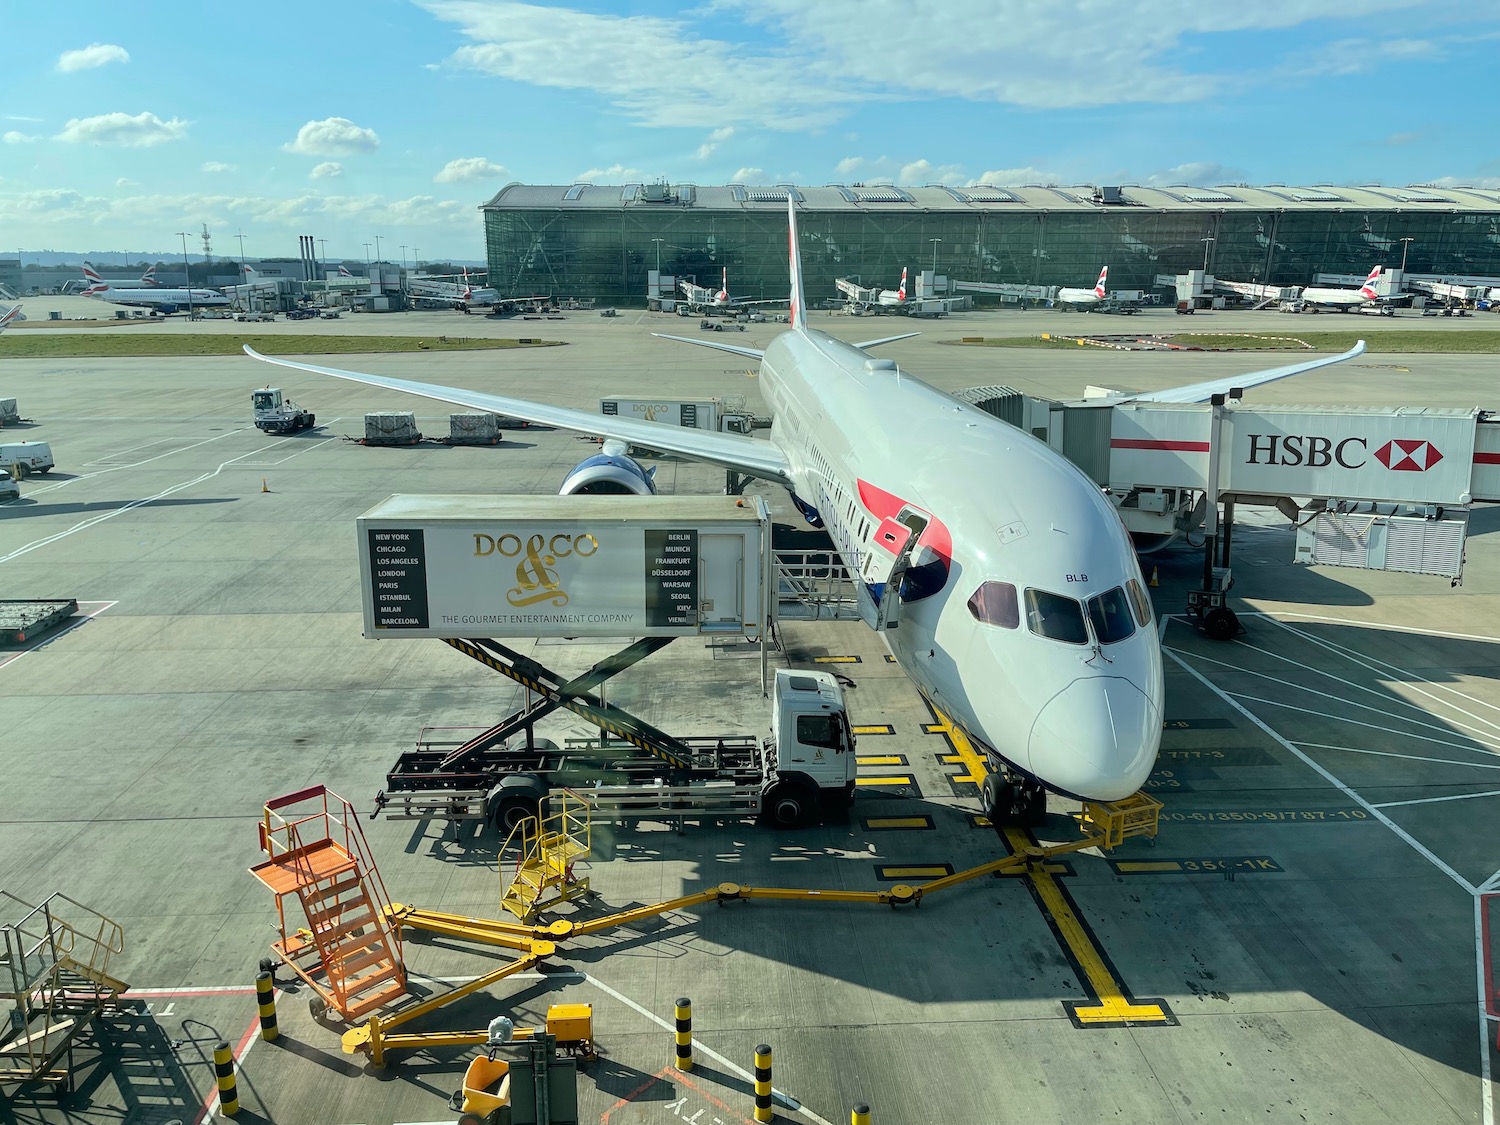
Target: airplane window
x: 994, y: 603
x: 1055, y: 617
x: 1109, y: 613
x: 1139, y: 601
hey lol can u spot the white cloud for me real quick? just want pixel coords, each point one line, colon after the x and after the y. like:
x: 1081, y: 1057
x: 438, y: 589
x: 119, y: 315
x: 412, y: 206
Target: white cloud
x: 715, y: 139
x: 124, y: 182
x: 883, y: 168
x: 1017, y: 177
x: 15, y: 138
x: 213, y: 167
x: 95, y: 54
x: 748, y: 176
x: 141, y: 131
x: 328, y: 170
x: 333, y: 136
x: 615, y: 173
x: 1202, y: 173
x: 469, y: 168
x: 21, y: 117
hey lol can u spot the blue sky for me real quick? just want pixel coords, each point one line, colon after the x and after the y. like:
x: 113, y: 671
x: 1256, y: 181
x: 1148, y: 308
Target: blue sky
x: 120, y: 126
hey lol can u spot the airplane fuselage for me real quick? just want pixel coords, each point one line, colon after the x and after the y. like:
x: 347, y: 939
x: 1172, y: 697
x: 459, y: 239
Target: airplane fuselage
x: 1081, y: 297
x: 1336, y: 298
x: 163, y: 299
x: 866, y: 440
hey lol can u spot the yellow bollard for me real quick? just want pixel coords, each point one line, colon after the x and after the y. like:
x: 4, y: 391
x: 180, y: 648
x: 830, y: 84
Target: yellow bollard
x: 265, y: 999
x: 684, y: 1035
x: 229, y: 1098
x: 860, y: 1115
x: 763, y: 1110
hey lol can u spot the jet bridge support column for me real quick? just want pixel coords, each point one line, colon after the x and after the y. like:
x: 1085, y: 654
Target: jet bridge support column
x: 1207, y: 603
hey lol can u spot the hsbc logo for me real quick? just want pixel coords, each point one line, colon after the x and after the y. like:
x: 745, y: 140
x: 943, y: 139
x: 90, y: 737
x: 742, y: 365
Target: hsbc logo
x: 1404, y: 456
x: 1316, y: 452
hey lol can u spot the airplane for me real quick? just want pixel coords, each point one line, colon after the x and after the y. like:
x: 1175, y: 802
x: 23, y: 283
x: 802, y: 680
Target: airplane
x: 700, y: 299
x: 1346, y: 300
x: 160, y: 301
x: 10, y: 316
x: 147, y: 280
x: 1083, y: 298
x: 890, y: 297
x: 1001, y: 578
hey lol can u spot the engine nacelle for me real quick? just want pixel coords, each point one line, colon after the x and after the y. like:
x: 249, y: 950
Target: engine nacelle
x: 610, y: 472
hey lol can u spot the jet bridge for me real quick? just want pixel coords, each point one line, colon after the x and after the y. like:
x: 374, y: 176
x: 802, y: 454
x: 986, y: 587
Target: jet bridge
x: 1383, y: 488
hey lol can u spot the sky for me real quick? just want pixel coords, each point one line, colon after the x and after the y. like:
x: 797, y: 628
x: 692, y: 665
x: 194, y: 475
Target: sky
x: 398, y: 119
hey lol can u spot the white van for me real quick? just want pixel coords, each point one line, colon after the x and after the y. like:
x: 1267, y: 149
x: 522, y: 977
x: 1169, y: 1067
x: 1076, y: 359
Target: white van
x: 27, y: 456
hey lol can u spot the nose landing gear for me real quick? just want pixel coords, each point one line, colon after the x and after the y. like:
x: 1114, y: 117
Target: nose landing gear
x: 1007, y: 800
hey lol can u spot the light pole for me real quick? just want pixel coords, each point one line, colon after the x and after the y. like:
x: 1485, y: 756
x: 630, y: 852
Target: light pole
x: 366, y: 245
x: 416, y: 259
x: 244, y: 276
x: 1207, y: 245
x: 186, y: 274
x: 1405, y: 246
x: 658, y: 254
x: 377, y: 249
x: 323, y: 250
x: 934, y: 242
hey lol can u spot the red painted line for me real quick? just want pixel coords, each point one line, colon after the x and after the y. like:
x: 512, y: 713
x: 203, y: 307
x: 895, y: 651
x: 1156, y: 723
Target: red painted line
x: 211, y: 1103
x: 1487, y: 458
x: 1145, y: 443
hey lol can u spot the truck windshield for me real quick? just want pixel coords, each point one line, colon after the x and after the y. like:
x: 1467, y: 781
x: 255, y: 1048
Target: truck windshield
x: 1109, y: 614
x: 1055, y: 617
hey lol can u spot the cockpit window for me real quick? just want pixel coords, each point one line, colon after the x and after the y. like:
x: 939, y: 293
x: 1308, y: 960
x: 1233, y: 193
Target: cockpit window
x: 1109, y: 614
x: 994, y: 603
x: 1139, y: 601
x: 1055, y: 617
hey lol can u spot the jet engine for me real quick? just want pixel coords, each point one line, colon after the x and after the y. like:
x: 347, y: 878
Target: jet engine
x: 610, y: 472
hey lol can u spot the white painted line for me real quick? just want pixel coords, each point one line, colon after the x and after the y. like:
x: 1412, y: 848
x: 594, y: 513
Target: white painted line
x: 785, y: 1099
x: 1382, y: 667
x: 127, y: 449
x: 1486, y: 1092
x: 1370, y: 625
x: 1339, y: 718
x: 1415, y: 844
x: 1344, y: 700
x: 79, y: 620
x: 132, y: 465
x: 1393, y: 754
x: 1435, y: 800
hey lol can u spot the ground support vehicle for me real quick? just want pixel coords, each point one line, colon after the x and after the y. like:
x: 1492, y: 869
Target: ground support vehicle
x: 21, y: 621
x: 276, y: 415
x: 22, y: 458
x: 806, y: 769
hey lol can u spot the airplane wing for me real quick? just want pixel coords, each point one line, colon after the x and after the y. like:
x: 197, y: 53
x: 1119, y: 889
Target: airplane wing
x: 733, y: 349
x: 11, y: 314
x: 744, y: 454
x: 1201, y: 392
x: 886, y: 340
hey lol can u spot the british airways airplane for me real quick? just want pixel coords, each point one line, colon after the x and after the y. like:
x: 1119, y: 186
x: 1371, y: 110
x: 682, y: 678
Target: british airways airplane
x: 1004, y: 583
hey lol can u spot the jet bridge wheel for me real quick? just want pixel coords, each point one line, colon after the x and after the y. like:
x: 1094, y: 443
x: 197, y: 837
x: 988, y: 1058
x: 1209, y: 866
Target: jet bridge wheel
x: 1220, y: 624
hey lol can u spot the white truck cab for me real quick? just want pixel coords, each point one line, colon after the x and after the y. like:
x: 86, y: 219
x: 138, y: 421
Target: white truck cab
x: 22, y: 458
x: 815, y: 763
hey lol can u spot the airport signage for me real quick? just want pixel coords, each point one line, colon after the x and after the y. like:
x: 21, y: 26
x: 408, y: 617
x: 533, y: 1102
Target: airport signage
x: 570, y: 567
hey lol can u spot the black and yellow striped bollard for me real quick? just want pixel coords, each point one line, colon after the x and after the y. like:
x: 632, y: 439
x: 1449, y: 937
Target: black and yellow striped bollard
x: 860, y: 1115
x: 684, y: 1034
x: 265, y: 1000
x: 229, y: 1098
x: 763, y: 1110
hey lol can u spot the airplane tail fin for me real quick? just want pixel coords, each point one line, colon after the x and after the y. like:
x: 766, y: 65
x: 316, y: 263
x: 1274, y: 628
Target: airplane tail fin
x: 1099, y: 285
x: 1368, y: 288
x: 92, y: 274
x: 149, y: 277
x: 11, y: 314
x: 798, y: 302
x: 901, y: 292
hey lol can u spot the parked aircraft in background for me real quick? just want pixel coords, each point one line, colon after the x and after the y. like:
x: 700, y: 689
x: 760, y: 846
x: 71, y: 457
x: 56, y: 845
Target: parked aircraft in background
x: 1346, y: 299
x: 1018, y: 608
x: 1083, y: 298
x: 701, y: 299
x: 147, y: 280
x: 160, y: 301
x: 10, y: 316
x: 895, y: 296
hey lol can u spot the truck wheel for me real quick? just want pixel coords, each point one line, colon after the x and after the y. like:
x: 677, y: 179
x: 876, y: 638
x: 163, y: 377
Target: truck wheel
x: 511, y: 811
x: 788, y: 804
x: 23, y: 471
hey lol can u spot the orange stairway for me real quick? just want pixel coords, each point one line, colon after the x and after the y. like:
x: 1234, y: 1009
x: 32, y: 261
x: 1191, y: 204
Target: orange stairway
x: 347, y: 951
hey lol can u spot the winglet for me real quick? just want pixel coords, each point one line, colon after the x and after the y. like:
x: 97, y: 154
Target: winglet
x: 798, y: 303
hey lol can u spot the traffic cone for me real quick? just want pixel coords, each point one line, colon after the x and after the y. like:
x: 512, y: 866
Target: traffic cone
x: 1155, y: 573
x: 264, y: 487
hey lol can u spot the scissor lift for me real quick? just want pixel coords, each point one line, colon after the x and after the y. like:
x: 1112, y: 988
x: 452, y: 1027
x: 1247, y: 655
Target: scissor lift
x: 347, y: 953
x: 57, y: 983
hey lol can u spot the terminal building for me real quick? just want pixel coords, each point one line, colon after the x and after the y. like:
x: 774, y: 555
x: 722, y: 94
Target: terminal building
x: 606, y: 240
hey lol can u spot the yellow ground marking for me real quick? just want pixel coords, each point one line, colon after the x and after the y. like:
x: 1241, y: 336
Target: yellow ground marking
x: 963, y: 754
x: 889, y: 659
x: 895, y: 779
x: 1113, y: 1007
x: 889, y: 823
x: 1141, y: 867
x: 836, y: 660
x: 881, y: 760
x: 875, y: 728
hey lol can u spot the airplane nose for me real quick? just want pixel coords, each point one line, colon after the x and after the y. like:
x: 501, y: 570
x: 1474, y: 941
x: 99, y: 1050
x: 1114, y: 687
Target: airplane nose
x: 1097, y: 738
